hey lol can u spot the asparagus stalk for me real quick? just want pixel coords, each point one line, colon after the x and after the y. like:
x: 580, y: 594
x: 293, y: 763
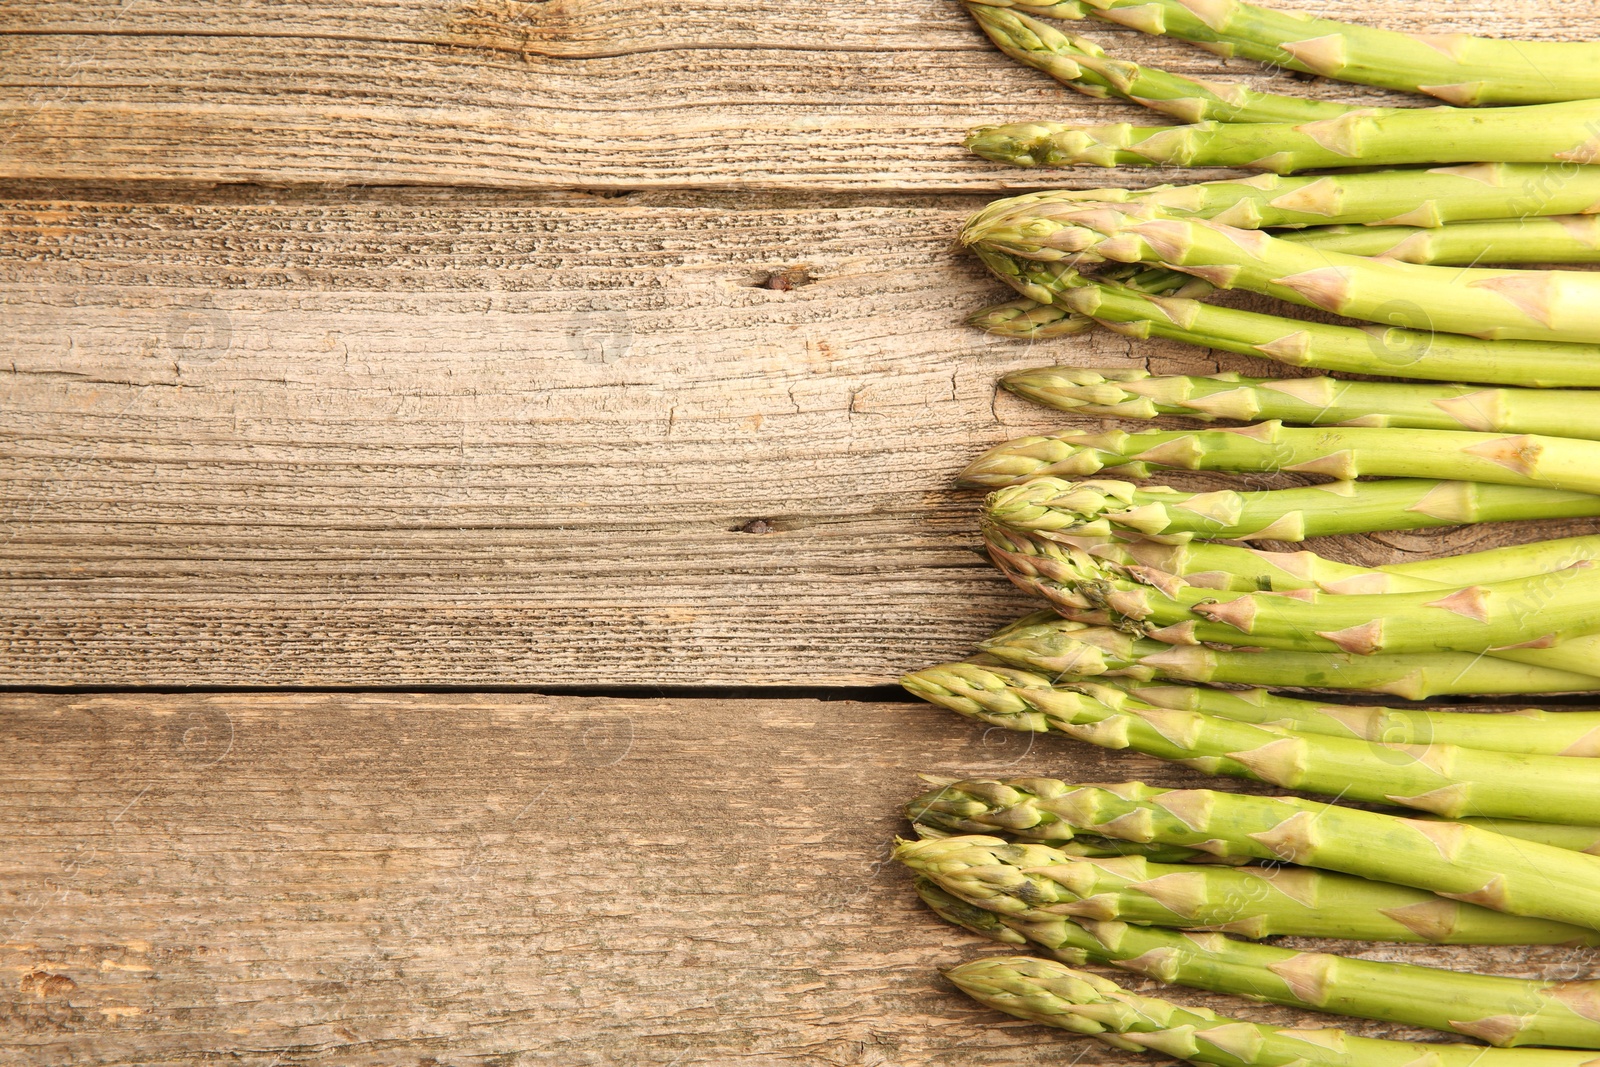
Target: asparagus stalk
x: 1028, y: 880
x: 1521, y: 615
x: 1561, y: 239
x: 1083, y: 65
x: 1556, y: 835
x: 1530, y: 730
x: 1444, y: 779
x: 1566, y: 132
x: 1209, y: 565
x: 1029, y: 320
x: 1506, y: 1012
x: 1165, y: 586
x: 1433, y: 197
x: 1136, y: 394
x: 1452, y: 859
x: 1212, y: 565
x: 1103, y: 652
x: 1557, y: 239
x: 1448, y: 197
x: 1553, y: 239
x: 1088, y: 846
x: 1106, y: 507
x: 1513, y: 559
x: 1296, y: 342
x: 1462, y: 70
x: 1054, y: 566
x: 1044, y: 991
x: 1342, y: 453
x: 1553, y: 305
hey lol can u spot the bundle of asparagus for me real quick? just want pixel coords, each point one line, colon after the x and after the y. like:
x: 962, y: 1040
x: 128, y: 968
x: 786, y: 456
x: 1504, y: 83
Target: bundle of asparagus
x: 1553, y: 733
x: 1033, y: 882
x: 1457, y: 68
x: 1431, y: 775
x: 1453, y: 859
x: 1069, y: 649
x: 1507, y: 1012
x: 1540, y: 619
x: 1048, y: 992
x: 1163, y: 641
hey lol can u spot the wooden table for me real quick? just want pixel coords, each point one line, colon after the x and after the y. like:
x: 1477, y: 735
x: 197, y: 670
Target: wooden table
x: 472, y: 473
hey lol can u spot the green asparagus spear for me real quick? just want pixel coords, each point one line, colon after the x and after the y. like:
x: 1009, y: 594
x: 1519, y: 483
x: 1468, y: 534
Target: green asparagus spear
x: 1209, y: 565
x: 1432, y: 197
x: 1106, y: 507
x: 1048, y: 644
x: 1087, y: 846
x: 1501, y: 1011
x: 1558, y: 239
x: 1448, y: 197
x: 1083, y: 65
x: 1342, y: 453
x: 1296, y: 342
x: 1304, y: 595
x: 1532, y: 614
x: 1453, y: 67
x: 1548, y: 305
x: 1047, y: 992
x: 1513, y: 559
x: 1561, y: 239
x: 1444, y: 779
x: 1566, y: 132
x: 1134, y: 393
x: 1028, y: 880
x: 1212, y: 565
x: 1091, y: 846
x: 1556, y: 835
x: 1029, y: 320
x: 1551, y: 733
x: 1451, y: 859
x: 1553, y: 239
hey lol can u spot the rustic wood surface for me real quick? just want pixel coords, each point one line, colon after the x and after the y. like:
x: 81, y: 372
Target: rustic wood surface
x: 427, y: 437
x: 407, y: 436
x: 505, y: 344
x: 386, y: 879
x: 706, y: 93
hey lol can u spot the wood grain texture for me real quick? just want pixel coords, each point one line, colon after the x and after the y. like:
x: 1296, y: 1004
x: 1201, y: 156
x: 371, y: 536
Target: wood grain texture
x: 253, y: 435
x: 470, y: 439
x: 407, y: 438
x: 571, y: 93
x: 453, y: 880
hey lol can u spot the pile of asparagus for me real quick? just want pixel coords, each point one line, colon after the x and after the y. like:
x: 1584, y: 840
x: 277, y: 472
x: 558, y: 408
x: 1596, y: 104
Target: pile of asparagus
x: 1174, y: 619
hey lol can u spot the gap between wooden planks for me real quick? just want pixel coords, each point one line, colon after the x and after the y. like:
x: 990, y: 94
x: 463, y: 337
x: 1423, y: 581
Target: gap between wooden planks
x: 378, y: 879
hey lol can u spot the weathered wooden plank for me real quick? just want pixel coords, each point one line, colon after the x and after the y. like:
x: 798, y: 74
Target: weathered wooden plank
x: 474, y: 438
x: 709, y: 94
x: 582, y: 28
x: 352, y: 880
